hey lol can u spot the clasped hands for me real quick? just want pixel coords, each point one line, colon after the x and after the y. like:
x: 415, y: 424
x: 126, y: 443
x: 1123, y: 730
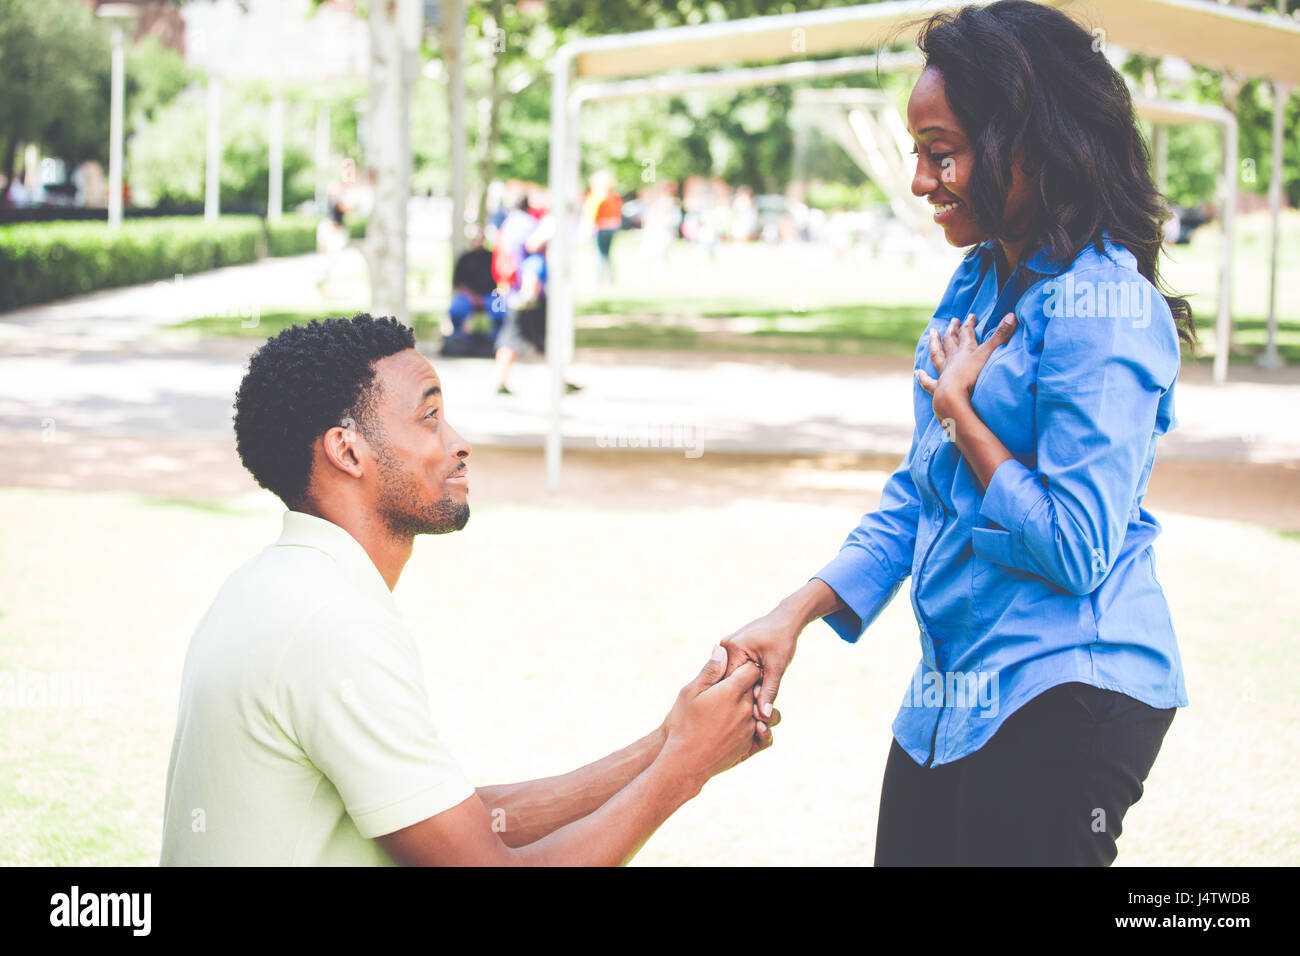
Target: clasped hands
x: 714, y: 723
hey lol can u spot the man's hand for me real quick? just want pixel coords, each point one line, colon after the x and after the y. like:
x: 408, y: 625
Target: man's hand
x: 711, y: 726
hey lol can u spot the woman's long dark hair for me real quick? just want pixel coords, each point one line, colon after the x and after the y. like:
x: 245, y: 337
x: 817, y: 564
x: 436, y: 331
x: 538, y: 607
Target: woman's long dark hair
x: 1026, y: 80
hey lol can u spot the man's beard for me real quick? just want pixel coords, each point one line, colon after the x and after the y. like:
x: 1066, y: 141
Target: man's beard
x: 402, y: 505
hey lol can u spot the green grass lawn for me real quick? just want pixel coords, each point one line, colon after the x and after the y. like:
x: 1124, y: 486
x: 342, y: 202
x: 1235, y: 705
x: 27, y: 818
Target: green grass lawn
x: 840, y: 329
x: 273, y: 322
x: 107, y: 590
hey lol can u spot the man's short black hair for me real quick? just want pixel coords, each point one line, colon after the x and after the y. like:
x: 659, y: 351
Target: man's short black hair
x: 303, y: 382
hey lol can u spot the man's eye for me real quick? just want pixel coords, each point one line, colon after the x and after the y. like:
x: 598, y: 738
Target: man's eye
x: 432, y: 413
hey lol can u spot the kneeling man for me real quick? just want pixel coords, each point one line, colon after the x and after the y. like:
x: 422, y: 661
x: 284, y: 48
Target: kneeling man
x: 304, y: 734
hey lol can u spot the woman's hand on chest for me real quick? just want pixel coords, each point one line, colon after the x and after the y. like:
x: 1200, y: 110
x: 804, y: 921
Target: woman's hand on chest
x: 959, y: 359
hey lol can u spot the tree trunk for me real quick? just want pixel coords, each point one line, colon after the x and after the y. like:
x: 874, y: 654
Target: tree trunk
x: 488, y: 163
x: 453, y: 40
x: 10, y: 161
x: 395, y: 28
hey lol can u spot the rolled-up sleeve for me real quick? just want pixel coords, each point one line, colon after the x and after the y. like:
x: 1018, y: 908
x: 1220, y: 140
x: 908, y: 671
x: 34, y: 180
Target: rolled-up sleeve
x: 876, y: 557
x: 1100, y: 381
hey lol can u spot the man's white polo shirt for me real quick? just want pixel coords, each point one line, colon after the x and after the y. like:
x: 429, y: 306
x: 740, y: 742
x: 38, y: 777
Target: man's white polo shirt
x: 304, y: 728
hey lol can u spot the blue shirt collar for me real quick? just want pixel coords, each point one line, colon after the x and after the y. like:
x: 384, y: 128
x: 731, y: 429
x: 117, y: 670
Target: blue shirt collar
x: 1040, y: 262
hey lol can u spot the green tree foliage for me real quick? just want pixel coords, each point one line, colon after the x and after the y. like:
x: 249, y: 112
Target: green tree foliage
x: 54, y: 58
x: 56, y: 71
x: 155, y: 76
x: 1196, y: 149
x: 1255, y: 146
x: 743, y: 136
x: 166, y: 159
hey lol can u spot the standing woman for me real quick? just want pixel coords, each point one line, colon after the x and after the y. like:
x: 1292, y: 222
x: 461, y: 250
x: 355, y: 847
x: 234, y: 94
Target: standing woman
x: 1049, y: 669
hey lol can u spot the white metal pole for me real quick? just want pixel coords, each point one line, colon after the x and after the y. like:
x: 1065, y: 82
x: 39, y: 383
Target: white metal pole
x: 322, y: 156
x: 559, y: 285
x: 1271, y: 359
x: 1223, y: 327
x: 456, y: 13
x: 115, y: 131
x: 1160, y: 146
x: 212, y: 194
x: 275, y: 191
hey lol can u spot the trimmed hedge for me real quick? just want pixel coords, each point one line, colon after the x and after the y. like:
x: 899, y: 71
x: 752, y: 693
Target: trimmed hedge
x: 44, y: 261
x: 291, y: 236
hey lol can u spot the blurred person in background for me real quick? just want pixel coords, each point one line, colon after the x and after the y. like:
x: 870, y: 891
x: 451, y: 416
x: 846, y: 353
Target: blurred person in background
x: 519, y: 264
x: 602, y: 213
x: 474, y: 289
x: 660, y: 219
x: 331, y: 233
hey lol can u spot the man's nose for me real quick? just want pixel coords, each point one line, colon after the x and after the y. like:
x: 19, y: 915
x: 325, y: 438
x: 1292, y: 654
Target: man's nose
x: 459, y: 446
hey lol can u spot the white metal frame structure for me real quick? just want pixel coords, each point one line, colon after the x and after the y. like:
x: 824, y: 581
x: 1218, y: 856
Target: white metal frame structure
x: 1201, y: 32
x: 865, y: 123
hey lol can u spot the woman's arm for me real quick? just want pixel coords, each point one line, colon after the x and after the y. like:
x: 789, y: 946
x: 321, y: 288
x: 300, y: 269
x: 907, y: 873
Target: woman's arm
x: 850, y: 591
x: 979, y: 446
x: 1099, y: 383
x: 770, y: 640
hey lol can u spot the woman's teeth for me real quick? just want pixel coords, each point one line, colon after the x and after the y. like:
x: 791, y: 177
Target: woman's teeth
x: 940, y: 210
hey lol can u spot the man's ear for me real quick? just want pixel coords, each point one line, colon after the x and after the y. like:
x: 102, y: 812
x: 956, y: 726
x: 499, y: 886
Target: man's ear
x: 343, y: 447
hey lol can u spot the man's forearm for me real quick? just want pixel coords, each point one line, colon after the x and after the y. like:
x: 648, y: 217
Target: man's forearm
x: 613, y: 833
x: 532, y: 809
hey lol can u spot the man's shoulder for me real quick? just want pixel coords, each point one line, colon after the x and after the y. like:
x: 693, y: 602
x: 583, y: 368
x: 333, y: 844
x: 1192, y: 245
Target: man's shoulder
x: 296, y: 594
x: 347, y: 634
x: 283, y: 583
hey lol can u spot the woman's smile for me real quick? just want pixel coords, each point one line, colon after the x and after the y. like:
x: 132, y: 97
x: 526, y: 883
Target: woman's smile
x: 944, y: 211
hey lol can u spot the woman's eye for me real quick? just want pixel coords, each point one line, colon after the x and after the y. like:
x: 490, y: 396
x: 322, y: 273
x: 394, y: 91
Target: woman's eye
x: 934, y: 157
x: 432, y: 413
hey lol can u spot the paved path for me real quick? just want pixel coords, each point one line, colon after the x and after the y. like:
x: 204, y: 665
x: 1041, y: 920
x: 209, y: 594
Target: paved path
x: 91, y: 366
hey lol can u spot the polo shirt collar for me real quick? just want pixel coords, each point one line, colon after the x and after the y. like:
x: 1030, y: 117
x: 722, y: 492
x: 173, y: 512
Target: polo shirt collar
x: 308, y: 531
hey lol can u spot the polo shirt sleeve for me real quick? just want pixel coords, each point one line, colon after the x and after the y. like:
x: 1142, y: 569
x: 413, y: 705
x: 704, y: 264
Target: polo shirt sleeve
x: 355, y: 700
x: 1100, y: 382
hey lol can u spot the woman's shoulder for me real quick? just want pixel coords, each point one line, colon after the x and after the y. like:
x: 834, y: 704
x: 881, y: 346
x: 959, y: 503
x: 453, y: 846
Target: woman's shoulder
x: 1100, y: 298
x: 1098, y: 283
